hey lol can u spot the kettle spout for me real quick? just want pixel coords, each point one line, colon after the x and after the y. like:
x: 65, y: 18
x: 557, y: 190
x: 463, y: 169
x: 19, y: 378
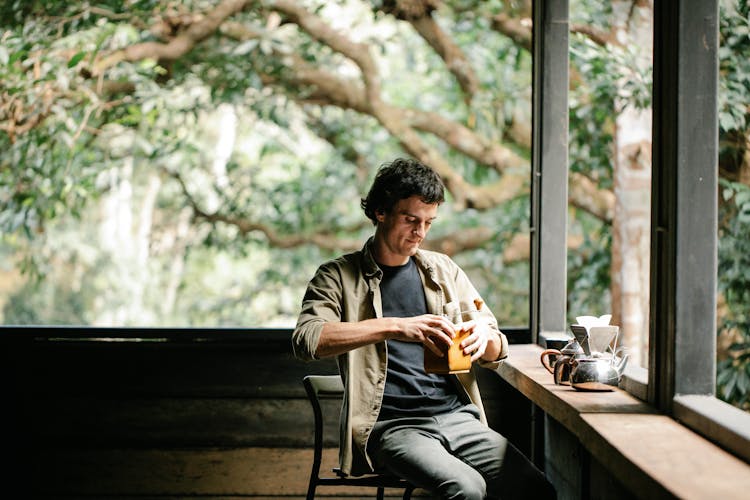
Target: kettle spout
x: 620, y: 366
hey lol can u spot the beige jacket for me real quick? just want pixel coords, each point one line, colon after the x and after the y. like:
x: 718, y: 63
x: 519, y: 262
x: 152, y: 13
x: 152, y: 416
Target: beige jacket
x: 347, y: 289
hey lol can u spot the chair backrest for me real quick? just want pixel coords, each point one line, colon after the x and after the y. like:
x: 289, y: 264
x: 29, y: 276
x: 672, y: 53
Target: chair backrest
x: 317, y: 388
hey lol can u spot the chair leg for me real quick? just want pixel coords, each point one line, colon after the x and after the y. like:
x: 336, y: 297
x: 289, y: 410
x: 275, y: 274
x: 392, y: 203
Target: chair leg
x: 311, y: 490
x: 381, y: 492
x: 407, y: 492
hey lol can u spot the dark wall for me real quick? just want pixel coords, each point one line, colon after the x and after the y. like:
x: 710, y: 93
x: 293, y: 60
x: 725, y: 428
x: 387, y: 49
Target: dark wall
x: 87, y: 387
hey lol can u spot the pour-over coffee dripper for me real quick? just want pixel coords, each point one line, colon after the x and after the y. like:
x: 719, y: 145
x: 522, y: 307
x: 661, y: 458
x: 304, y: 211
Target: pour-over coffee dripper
x: 581, y: 335
x: 589, y: 321
x: 594, y: 333
x: 601, y: 337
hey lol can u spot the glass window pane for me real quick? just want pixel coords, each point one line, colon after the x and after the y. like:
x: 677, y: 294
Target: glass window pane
x: 205, y: 192
x: 610, y: 167
x: 733, y: 280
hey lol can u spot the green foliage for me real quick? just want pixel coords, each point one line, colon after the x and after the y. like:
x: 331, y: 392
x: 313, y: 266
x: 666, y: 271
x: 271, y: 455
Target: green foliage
x: 505, y: 287
x: 591, y: 145
x: 294, y: 169
x: 734, y: 66
x: 592, y: 111
x: 49, y: 305
x: 733, y: 380
x: 589, y: 271
x: 733, y: 366
x: 51, y: 168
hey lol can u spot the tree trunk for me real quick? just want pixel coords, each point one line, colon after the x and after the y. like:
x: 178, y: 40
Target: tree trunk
x: 632, y: 186
x: 117, y: 242
x: 125, y: 236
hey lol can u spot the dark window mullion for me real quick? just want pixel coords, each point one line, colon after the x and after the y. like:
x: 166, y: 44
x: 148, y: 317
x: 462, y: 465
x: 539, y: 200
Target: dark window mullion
x: 549, y: 169
x: 684, y: 187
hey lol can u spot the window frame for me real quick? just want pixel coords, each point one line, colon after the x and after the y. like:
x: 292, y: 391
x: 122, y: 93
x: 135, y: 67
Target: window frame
x: 681, y: 379
x: 549, y: 170
x: 684, y: 228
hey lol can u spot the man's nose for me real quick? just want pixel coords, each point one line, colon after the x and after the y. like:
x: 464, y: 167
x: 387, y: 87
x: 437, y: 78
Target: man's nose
x: 421, y: 230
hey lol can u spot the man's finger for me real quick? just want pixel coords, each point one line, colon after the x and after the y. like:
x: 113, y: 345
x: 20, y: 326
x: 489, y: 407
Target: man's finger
x: 434, y: 348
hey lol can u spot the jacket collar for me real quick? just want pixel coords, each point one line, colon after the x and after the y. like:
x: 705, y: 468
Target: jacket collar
x: 370, y: 267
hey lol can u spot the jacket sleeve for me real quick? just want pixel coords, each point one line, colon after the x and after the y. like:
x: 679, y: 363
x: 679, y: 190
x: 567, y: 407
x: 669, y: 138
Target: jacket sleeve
x: 322, y: 303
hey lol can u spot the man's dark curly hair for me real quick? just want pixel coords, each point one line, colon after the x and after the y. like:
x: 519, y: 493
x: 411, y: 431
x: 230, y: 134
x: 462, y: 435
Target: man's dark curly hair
x: 400, y: 179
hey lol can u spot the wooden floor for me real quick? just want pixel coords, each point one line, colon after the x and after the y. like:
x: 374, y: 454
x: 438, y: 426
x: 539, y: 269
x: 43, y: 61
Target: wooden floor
x: 260, y: 473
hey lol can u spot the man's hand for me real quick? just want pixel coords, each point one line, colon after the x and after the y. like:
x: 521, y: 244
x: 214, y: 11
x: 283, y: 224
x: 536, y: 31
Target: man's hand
x: 481, y: 335
x: 431, y: 330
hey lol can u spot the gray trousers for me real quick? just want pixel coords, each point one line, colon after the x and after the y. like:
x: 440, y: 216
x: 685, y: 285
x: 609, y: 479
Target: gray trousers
x: 456, y: 456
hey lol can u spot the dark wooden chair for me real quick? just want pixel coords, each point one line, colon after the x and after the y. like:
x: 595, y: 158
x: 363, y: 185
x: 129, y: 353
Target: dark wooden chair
x: 330, y: 387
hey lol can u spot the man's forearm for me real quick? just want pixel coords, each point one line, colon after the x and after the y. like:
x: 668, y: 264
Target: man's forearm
x: 340, y: 337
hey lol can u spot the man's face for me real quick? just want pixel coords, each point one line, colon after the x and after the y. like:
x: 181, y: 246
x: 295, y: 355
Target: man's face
x: 399, y: 233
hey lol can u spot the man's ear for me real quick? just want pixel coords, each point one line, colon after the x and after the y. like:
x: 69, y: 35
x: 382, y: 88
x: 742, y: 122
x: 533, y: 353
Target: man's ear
x: 379, y: 215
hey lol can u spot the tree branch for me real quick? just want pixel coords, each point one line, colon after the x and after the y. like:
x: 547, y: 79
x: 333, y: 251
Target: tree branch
x: 403, y: 124
x: 419, y: 14
x: 179, y: 45
x: 321, y: 31
x: 326, y: 89
x: 518, y: 30
x: 586, y: 195
x: 324, y: 86
x: 452, y: 55
x: 459, y: 241
x: 323, y: 239
x: 599, y: 37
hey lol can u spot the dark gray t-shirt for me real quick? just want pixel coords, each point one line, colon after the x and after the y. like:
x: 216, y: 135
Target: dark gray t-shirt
x: 409, y: 391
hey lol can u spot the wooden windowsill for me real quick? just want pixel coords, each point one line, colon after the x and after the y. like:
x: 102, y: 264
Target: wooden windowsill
x: 649, y: 452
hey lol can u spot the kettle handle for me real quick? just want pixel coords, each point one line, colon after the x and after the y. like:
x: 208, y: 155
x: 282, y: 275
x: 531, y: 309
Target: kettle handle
x: 544, y: 358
